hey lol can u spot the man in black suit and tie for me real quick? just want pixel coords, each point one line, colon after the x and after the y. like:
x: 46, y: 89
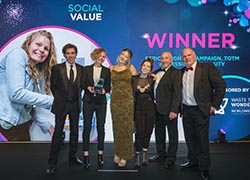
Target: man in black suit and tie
x: 167, y: 94
x: 65, y: 85
x: 203, y: 90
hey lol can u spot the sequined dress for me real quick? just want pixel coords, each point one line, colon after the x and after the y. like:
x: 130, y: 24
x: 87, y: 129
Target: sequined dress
x: 122, y: 111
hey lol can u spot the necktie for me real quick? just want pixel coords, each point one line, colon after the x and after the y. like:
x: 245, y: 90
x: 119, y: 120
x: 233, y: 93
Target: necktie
x: 71, y: 73
x: 190, y: 68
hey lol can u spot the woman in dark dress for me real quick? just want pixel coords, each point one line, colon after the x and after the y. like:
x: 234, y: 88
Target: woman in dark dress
x: 142, y: 85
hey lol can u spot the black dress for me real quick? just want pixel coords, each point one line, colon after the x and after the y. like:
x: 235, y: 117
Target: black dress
x: 145, y: 113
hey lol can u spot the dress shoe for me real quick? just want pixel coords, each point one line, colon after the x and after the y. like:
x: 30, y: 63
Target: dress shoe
x: 100, y: 160
x: 189, y: 164
x: 50, y: 170
x: 205, y: 175
x: 86, y: 163
x: 169, y: 164
x: 75, y: 161
x: 156, y: 158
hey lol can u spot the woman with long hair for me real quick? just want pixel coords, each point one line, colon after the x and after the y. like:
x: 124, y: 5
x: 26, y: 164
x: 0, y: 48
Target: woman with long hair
x: 122, y: 107
x: 25, y: 87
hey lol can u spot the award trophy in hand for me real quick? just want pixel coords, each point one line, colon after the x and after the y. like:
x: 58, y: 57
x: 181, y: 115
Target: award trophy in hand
x: 99, y: 85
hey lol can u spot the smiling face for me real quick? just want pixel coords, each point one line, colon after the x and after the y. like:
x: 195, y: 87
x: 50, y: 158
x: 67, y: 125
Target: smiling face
x: 188, y: 57
x: 100, y: 58
x: 39, y: 48
x: 70, y: 55
x: 166, y: 59
x: 146, y: 68
x: 124, y: 58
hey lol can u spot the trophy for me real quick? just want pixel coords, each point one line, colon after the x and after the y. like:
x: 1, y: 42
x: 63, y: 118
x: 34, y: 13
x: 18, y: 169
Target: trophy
x: 99, y: 85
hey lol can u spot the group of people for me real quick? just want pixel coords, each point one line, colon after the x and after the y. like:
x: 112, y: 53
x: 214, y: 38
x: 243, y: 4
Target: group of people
x: 139, y: 102
x: 195, y: 91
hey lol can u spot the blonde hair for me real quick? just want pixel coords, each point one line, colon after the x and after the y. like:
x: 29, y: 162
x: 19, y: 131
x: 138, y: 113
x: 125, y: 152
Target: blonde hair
x: 130, y: 53
x: 44, y: 68
x: 96, y: 52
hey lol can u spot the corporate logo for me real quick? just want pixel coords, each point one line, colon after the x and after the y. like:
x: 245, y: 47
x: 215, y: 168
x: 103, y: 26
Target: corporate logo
x: 233, y: 115
x: 237, y: 99
x: 85, y: 12
x: 223, y: 105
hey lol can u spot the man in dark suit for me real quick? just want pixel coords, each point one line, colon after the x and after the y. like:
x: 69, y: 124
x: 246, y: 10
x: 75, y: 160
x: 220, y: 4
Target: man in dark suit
x: 65, y: 86
x: 203, y: 90
x: 167, y: 94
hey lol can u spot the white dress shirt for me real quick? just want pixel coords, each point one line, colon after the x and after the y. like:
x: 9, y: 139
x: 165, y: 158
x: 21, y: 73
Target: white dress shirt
x: 188, y: 87
x: 97, y: 74
x: 68, y: 66
x: 159, y: 75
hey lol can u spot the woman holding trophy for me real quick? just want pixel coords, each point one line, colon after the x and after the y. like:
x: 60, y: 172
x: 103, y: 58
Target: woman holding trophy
x: 96, y: 83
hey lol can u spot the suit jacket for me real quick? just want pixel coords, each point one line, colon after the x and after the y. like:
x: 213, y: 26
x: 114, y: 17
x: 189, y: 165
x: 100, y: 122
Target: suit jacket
x: 168, y: 92
x: 59, y: 87
x: 87, y: 80
x: 209, y: 87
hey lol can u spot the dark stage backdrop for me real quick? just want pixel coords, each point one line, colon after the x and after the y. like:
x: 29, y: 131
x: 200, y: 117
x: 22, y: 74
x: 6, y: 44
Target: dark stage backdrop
x: 218, y: 30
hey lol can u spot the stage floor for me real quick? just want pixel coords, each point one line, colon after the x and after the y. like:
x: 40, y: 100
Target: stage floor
x: 29, y: 161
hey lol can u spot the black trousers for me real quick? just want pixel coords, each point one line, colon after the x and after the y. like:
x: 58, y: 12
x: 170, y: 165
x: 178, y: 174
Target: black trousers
x: 17, y: 133
x: 144, y: 124
x: 71, y: 109
x: 162, y: 121
x: 88, y: 111
x: 196, y: 126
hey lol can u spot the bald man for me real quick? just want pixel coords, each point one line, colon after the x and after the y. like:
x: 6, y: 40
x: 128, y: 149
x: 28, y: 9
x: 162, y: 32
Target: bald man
x: 202, y: 92
x: 167, y: 95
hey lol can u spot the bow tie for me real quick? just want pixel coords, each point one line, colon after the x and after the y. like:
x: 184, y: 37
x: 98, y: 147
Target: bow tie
x: 190, y: 68
x: 162, y: 70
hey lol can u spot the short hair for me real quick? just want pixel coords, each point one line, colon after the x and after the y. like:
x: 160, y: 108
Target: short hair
x: 96, y: 52
x: 68, y: 46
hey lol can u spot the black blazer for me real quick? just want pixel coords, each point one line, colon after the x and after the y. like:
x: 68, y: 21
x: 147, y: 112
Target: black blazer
x: 59, y: 87
x: 87, y: 80
x: 168, y: 92
x: 209, y: 87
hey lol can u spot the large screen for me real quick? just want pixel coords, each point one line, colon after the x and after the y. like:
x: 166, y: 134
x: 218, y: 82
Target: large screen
x: 218, y: 30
